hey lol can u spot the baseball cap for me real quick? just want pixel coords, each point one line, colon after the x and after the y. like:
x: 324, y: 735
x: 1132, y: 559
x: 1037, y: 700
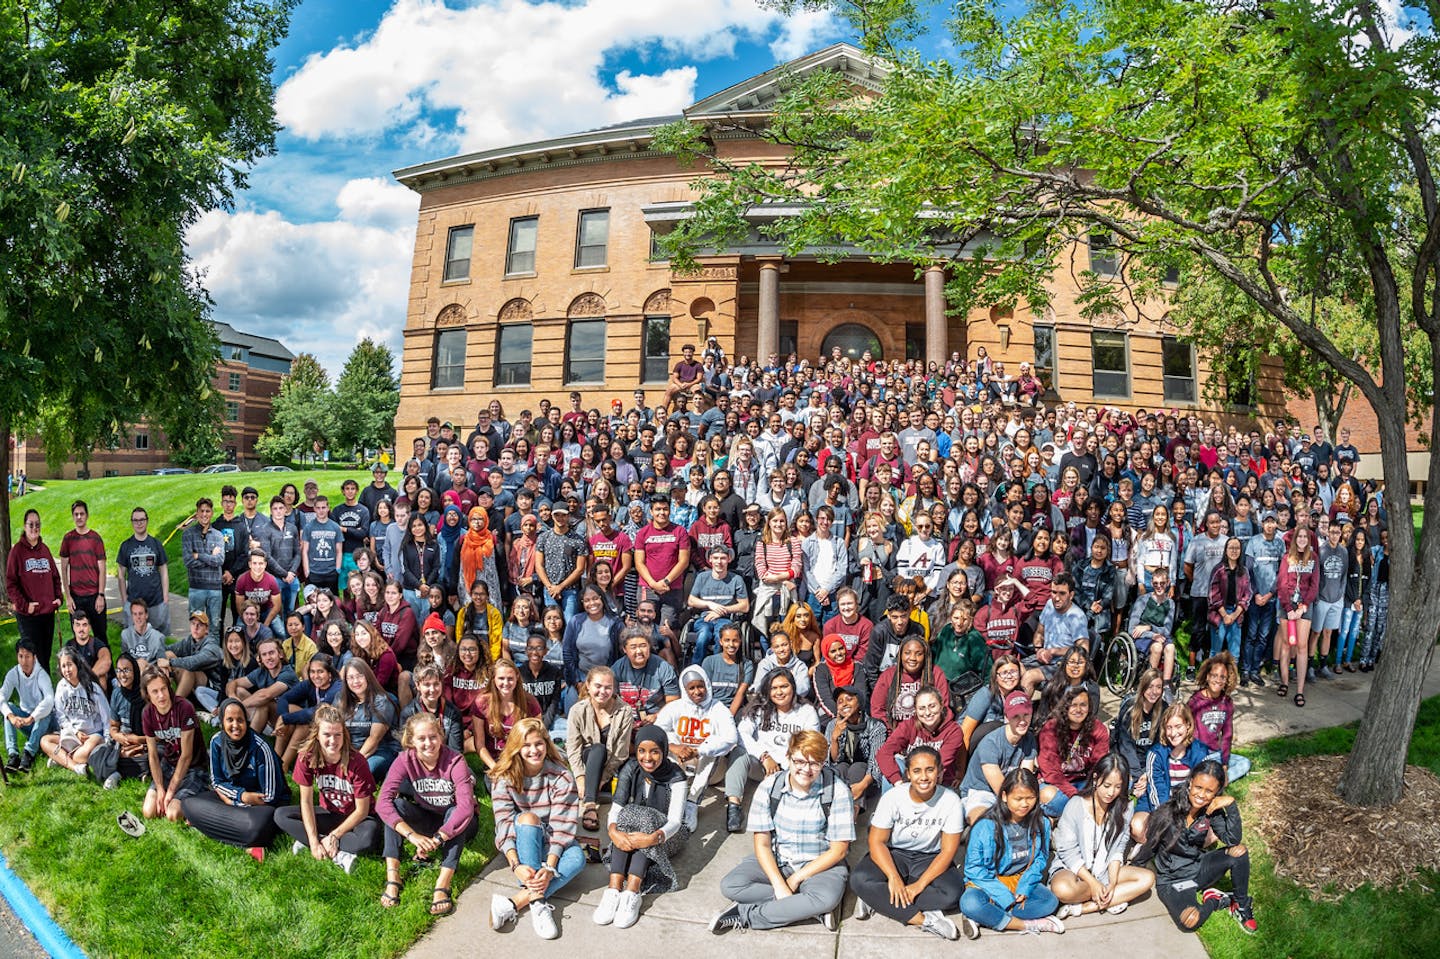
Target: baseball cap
x: 310, y: 482
x: 380, y: 468
x: 201, y: 615
x: 1018, y: 704
x: 560, y: 506
x: 249, y: 491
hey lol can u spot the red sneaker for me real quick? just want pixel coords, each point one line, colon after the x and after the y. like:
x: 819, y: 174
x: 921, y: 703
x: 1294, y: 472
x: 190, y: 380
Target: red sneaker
x: 1244, y: 916
x: 256, y: 853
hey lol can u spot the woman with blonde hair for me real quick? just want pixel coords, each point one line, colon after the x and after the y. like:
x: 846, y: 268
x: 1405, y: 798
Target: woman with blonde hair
x: 428, y: 800
x: 597, y: 740
x: 536, y: 807
x: 345, y: 825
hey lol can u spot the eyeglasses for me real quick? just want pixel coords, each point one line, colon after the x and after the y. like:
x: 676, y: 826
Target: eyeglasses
x: 801, y: 763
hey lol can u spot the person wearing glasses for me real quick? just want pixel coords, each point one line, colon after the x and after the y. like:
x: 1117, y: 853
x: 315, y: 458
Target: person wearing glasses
x: 803, y: 824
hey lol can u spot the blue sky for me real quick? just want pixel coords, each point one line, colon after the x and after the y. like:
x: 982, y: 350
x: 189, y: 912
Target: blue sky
x: 317, y: 253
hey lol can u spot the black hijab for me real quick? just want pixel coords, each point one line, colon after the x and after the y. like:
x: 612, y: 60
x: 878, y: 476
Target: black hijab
x: 234, y: 755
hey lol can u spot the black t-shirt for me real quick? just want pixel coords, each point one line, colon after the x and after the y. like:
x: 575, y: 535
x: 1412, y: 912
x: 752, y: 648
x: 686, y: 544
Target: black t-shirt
x: 545, y: 686
x: 354, y: 523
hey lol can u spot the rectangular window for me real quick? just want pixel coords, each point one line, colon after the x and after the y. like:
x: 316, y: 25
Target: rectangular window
x: 1103, y: 258
x: 657, y: 255
x: 232, y: 411
x: 512, y: 354
x: 591, y: 238
x: 789, y: 338
x: 657, y: 349
x: 1110, y: 355
x: 235, y: 382
x: 520, y: 254
x: 449, y: 360
x: 142, y: 441
x: 237, y: 353
x: 1045, y: 357
x: 585, y: 352
x: 457, y: 253
x: 1178, y: 360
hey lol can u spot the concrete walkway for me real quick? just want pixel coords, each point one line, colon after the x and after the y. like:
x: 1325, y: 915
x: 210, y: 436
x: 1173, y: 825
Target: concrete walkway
x: 678, y: 921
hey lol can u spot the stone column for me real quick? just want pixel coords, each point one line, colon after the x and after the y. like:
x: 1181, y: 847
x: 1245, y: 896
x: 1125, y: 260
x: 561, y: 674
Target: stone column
x: 769, y: 327
x: 937, y: 339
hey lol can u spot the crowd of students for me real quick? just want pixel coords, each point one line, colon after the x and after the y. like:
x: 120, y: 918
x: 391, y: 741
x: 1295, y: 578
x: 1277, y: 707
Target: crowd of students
x: 852, y: 595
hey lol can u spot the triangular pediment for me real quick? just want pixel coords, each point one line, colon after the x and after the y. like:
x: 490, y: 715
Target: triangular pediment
x: 759, y: 94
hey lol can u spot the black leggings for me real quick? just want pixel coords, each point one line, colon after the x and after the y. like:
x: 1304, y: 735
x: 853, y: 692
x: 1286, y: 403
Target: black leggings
x: 1180, y: 896
x: 427, y: 823
x: 594, y: 756
x: 869, y: 884
x: 363, y: 839
x: 242, y: 826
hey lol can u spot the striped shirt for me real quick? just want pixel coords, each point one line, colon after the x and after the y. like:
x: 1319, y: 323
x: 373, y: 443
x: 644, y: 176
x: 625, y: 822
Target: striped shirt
x: 550, y: 796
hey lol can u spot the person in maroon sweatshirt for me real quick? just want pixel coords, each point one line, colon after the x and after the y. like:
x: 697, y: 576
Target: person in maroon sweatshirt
x: 32, y: 581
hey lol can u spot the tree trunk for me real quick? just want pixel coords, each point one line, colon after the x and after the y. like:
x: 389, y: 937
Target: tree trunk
x: 1375, y: 772
x: 5, y: 461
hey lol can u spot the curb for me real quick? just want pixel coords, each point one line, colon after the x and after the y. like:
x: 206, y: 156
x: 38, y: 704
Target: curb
x: 33, y: 914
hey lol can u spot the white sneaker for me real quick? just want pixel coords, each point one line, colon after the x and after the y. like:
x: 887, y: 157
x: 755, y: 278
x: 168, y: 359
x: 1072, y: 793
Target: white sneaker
x: 692, y: 815
x: 502, y: 912
x: 938, y: 924
x: 297, y: 847
x: 863, y: 910
x: 345, y: 860
x: 969, y: 928
x: 1118, y: 908
x: 609, y: 902
x: 112, y: 780
x: 629, y: 910
x: 542, y: 919
x: 1049, y: 924
x: 1067, y: 910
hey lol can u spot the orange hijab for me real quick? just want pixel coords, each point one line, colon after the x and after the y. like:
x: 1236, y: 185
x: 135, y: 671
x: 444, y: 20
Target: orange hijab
x: 477, y: 546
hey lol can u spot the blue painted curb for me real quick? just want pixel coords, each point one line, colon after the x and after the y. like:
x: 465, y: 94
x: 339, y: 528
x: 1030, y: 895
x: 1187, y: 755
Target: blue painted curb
x: 35, y: 916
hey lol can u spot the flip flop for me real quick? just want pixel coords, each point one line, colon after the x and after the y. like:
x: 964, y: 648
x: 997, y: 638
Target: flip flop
x: 130, y: 825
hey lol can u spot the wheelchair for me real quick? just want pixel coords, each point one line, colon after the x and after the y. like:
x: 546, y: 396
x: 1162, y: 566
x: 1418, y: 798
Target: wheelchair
x: 1118, y: 663
x: 750, y: 646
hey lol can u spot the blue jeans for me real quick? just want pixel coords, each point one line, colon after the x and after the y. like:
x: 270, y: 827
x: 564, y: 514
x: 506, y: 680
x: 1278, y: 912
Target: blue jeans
x: 569, y: 602
x: 1259, y: 631
x: 1236, y: 768
x: 1053, y: 809
x: 1350, y: 619
x: 823, y: 614
x: 32, y: 734
x: 531, y: 845
x: 1226, y: 637
x: 288, y: 592
x: 977, y: 904
x: 419, y: 605
x: 385, y: 754
x: 209, y: 601
x: 706, y: 635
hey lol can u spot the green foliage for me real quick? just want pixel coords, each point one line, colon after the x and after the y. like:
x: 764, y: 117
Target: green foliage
x: 366, y: 398
x: 301, y: 415
x: 120, y: 122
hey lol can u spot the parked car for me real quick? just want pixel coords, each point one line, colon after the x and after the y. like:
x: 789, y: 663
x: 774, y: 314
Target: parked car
x: 171, y: 471
x: 221, y: 468
x: 276, y: 469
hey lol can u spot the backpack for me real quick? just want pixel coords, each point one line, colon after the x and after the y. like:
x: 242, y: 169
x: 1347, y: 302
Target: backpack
x: 827, y: 792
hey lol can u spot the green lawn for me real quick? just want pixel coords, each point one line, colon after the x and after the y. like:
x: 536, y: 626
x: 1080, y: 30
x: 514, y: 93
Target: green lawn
x: 1368, y: 923
x: 172, y: 890
x: 168, y: 499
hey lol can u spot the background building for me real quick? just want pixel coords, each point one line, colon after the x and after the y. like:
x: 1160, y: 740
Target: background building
x: 536, y: 273
x: 247, y: 377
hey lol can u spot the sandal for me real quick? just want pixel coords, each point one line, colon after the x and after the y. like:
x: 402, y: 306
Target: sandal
x: 1300, y: 699
x: 590, y: 818
x: 388, y: 899
x: 443, y: 904
x: 1283, y: 690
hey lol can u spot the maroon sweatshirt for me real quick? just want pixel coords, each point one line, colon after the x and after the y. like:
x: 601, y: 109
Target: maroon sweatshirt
x: 31, y: 576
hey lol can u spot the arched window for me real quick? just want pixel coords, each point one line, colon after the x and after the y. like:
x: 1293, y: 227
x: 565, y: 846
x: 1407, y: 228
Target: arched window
x: 853, y: 340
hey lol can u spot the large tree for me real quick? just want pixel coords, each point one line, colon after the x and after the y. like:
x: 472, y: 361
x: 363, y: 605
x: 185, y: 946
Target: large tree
x: 120, y: 122
x: 302, y: 415
x: 1229, y: 139
x: 366, y: 397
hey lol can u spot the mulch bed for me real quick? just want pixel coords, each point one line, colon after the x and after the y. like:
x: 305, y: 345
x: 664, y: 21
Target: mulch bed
x: 1331, y: 848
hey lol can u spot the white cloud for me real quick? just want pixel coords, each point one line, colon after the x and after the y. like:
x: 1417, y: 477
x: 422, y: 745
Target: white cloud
x: 515, y: 70
x: 317, y: 287
x: 805, y: 31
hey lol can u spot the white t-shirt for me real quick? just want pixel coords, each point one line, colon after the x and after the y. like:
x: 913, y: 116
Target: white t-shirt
x: 917, y: 827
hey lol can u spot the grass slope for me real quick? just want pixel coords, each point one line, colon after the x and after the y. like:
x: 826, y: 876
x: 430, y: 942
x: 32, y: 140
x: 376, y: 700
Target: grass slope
x: 174, y: 891
x: 1368, y: 923
x: 168, y: 499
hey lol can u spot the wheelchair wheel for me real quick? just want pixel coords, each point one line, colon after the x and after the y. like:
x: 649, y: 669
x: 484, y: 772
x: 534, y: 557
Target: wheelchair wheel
x: 1119, y: 667
x: 686, y: 643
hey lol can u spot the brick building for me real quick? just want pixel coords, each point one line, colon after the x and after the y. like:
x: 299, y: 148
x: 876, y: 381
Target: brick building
x: 535, y: 273
x: 247, y: 377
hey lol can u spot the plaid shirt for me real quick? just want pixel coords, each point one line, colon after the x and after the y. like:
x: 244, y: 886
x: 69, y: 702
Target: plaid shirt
x: 801, y: 833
